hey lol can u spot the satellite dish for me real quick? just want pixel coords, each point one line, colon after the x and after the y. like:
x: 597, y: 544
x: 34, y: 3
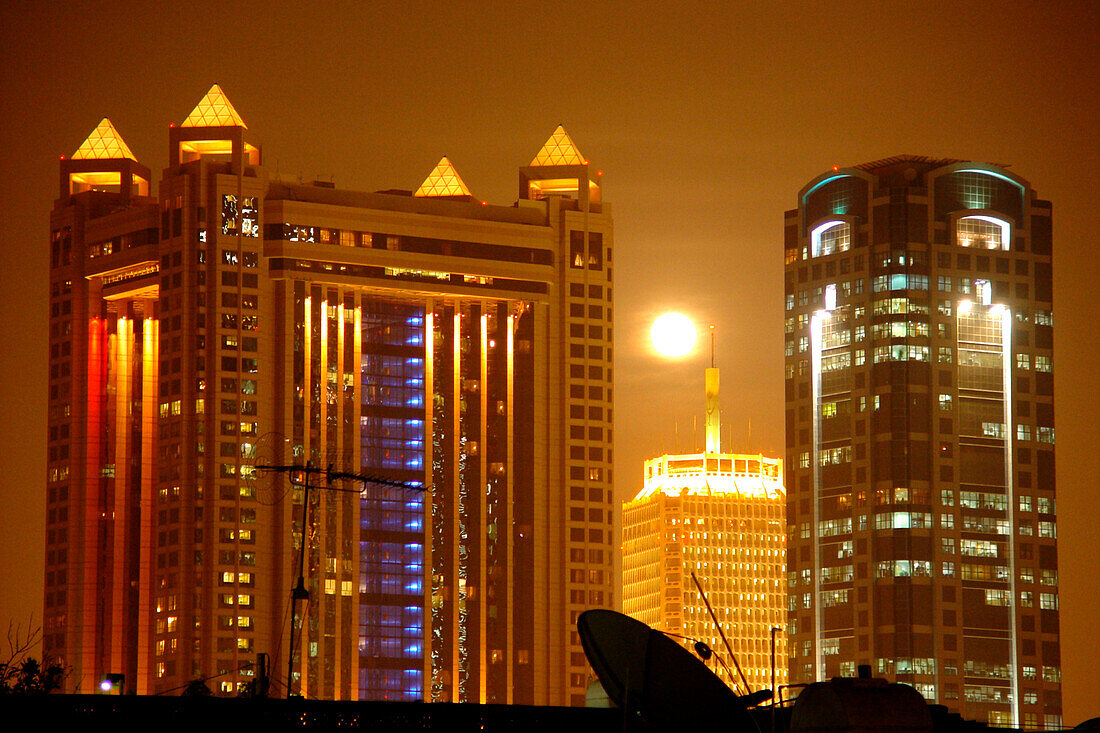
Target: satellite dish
x: 658, y: 684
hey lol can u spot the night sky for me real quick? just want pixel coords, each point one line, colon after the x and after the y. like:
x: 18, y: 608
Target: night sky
x: 706, y: 120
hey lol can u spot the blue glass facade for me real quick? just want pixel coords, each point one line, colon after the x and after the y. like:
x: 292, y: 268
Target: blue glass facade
x: 391, y: 570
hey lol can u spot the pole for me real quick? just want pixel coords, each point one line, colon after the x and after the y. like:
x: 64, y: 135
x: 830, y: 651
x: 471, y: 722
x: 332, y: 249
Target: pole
x: 774, y: 629
x: 748, y: 690
x: 329, y: 475
x: 299, y: 593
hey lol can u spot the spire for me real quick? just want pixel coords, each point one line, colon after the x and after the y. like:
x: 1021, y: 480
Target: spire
x: 559, y: 150
x: 443, y: 181
x: 214, y: 110
x: 713, y: 412
x: 103, y: 144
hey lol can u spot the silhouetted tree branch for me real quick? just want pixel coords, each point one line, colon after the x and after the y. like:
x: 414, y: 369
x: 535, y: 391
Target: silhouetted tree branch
x: 21, y: 674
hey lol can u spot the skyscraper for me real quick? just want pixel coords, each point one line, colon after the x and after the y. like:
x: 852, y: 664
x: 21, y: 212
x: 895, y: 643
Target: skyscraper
x: 920, y: 435
x: 719, y: 516
x: 425, y: 337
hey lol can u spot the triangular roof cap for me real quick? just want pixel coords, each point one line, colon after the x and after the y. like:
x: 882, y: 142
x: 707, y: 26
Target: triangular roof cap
x: 214, y: 110
x: 559, y: 150
x: 103, y: 144
x: 443, y: 181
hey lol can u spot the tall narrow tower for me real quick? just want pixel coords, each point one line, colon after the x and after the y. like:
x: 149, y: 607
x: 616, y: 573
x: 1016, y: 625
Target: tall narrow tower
x: 719, y: 516
x: 920, y: 435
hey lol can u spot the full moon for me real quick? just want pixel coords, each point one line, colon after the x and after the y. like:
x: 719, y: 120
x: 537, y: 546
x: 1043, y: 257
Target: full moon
x: 673, y: 334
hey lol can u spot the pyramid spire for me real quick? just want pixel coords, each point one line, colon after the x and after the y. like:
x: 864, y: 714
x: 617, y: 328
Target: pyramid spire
x: 214, y: 110
x: 103, y: 144
x: 443, y: 181
x: 559, y: 150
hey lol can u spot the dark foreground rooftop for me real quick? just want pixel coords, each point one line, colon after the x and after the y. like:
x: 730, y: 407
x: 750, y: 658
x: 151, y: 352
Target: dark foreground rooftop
x: 209, y: 714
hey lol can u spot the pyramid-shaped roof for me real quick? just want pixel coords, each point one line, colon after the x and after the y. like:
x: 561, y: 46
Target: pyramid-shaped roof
x: 103, y: 144
x: 443, y: 181
x: 559, y: 150
x: 214, y: 110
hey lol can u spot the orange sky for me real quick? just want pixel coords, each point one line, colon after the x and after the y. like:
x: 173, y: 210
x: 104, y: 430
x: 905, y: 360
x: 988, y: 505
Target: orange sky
x: 706, y: 119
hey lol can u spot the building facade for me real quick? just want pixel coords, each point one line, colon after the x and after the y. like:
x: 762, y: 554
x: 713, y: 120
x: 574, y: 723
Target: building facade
x: 721, y: 517
x: 233, y: 321
x: 920, y: 435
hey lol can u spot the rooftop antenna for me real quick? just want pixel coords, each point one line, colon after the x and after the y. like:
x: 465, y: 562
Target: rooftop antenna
x: 301, y: 475
x: 712, y: 413
x: 748, y: 689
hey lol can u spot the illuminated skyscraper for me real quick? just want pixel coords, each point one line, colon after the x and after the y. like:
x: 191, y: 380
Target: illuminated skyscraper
x: 920, y: 435
x: 423, y: 337
x: 720, y: 516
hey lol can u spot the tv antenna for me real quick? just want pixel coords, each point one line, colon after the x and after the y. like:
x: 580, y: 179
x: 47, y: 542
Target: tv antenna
x: 759, y: 695
x: 310, y: 476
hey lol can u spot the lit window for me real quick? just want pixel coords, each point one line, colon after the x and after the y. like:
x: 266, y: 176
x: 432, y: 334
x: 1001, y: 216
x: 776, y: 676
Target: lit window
x: 830, y: 237
x: 229, y: 214
x: 982, y: 232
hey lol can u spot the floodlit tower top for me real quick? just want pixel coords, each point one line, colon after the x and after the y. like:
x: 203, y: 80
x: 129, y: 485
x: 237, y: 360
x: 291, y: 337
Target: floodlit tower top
x: 443, y: 181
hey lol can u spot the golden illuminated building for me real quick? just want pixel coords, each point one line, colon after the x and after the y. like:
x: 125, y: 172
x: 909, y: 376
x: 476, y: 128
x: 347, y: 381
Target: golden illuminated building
x: 720, y: 516
x: 429, y: 338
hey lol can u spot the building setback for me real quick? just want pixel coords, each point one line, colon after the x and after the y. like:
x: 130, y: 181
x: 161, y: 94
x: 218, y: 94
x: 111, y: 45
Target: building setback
x: 920, y: 435
x: 719, y: 516
x: 425, y: 337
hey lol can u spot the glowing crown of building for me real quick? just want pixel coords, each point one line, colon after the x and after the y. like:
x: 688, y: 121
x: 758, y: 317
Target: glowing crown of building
x: 559, y: 150
x: 443, y: 181
x: 214, y: 110
x: 104, y: 143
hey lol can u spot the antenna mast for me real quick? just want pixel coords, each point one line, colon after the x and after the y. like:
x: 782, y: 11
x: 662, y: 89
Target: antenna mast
x: 301, y: 474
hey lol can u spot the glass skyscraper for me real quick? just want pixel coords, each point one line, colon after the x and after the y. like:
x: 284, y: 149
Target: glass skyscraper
x: 922, y: 537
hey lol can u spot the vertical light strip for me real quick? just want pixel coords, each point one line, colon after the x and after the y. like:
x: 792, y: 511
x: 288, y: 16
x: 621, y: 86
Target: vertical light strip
x: 322, y: 431
x: 509, y: 534
x: 120, y: 514
x: 458, y: 567
x: 149, y: 367
x: 307, y: 370
x: 319, y: 599
x: 357, y: 467
x: 483, y: 510
x: 816, y: 328
x: 342, y: 505
x: 85, y: 638
x: 307, y: 440
x: 428, y: 580
x: 1010, y: 485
